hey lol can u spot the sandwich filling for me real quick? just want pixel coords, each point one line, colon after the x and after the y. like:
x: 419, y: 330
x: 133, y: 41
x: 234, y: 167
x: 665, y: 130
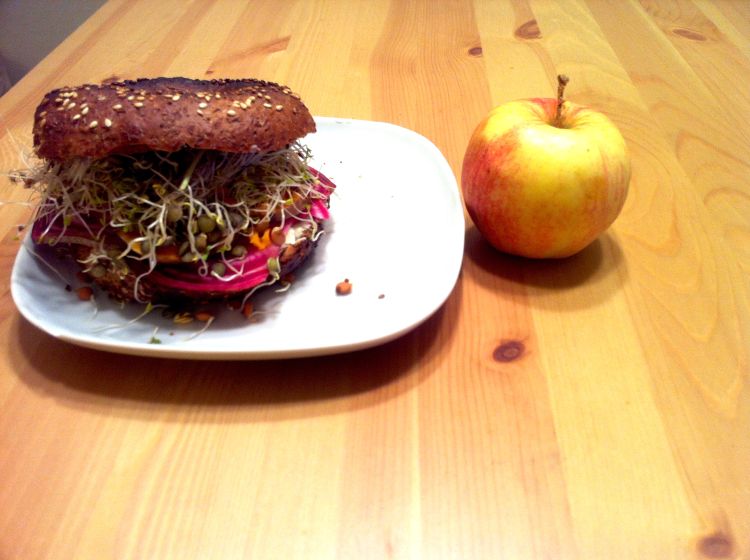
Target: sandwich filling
x: 193, y: 223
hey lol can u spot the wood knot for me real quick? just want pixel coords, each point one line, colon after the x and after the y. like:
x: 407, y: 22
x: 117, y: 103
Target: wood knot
x: 475, y: 51
x: 508, y: 351
x: 529, y: 30
x: 689, y: 34
x: 717, y: 545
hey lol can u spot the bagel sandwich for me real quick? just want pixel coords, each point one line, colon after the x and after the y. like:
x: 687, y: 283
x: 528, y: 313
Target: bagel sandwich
x: 174, y: 190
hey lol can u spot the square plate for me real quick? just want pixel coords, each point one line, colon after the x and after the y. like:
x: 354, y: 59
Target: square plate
x: 396, y: 232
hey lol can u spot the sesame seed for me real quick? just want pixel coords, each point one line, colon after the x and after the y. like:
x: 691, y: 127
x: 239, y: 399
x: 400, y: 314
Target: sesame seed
x: 131, y: 97
x: 202, y: 104
x: 84, y: 110
x: 117, y: 107
x: 268, y: 97
x: 76, y: 116
x: 138, y: 104
x: 231, y: 112
x: 71, y: 105
x: 107, y: 123
x: 267, y: 105
x: 249, y: 100
x: 243, y: 105
x: 93, y: 124
x: 101, y: 98
x: 218, y: 95
x: 279, y: 107
x: 140, y: 98
x: 176, y: 97
x: 199, y: 111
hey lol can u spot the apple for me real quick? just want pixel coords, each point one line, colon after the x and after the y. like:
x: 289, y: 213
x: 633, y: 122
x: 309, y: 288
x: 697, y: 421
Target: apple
x: 544, y: 177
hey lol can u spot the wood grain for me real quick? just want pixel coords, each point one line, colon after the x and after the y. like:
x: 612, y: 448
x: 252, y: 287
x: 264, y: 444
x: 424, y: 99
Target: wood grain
x: 593, y: 407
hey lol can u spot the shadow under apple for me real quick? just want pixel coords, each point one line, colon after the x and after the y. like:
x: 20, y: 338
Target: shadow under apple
x: 591, y: 275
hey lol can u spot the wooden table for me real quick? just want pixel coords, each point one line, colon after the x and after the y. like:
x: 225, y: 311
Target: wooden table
x: 618, y: 426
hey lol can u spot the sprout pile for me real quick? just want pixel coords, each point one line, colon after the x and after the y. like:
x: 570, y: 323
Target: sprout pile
x: 204, y: 207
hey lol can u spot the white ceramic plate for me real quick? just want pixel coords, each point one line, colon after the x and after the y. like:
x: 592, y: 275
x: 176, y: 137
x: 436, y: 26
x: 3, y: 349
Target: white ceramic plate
x: 396, y: 232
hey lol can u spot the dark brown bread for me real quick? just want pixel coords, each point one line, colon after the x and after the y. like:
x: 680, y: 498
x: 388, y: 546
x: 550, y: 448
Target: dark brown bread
x: 168, y: 114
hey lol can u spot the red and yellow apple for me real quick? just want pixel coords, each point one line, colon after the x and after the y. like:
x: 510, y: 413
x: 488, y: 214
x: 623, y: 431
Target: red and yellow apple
x: 544, y: 177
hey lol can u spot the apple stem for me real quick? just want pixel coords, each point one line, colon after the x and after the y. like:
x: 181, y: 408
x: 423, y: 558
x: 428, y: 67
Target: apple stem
x: 562, y: 81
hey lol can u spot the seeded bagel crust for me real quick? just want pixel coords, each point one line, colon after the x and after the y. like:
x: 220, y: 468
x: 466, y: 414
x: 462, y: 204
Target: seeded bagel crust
x: 168, y: 114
